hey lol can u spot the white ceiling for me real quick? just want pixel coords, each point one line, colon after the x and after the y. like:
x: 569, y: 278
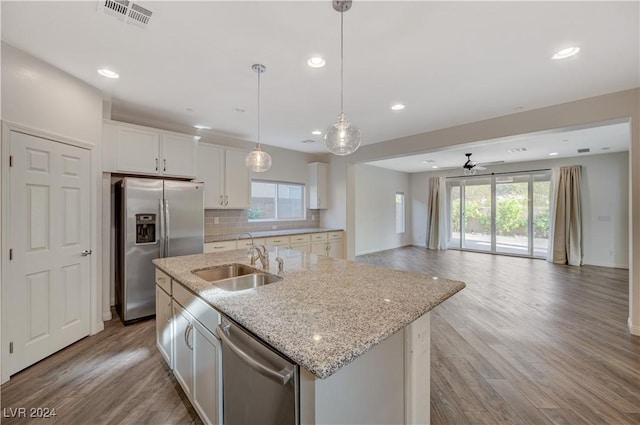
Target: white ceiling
x: 606, y: 138
x: 448, y: 62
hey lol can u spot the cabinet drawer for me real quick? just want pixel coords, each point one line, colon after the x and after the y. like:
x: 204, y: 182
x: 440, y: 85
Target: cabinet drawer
x: 278, y: 241
x: 219, y: 246
x: 319, y: 237
x: 335, y: 235
x: 199, y: 309
x: 163, y: 280
x: 246, y: 243
x: 300, y: 238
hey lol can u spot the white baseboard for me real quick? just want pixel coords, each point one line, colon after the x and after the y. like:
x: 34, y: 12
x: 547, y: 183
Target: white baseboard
x: 420, y: 244
x: 106, y: 316
x: 371, y: 251
x: 609, y: 265
x: 635, y: 330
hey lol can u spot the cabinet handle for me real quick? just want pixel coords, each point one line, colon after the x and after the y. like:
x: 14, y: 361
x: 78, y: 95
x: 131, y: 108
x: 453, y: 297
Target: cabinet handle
x: 156, y: 164
x: 164, y: 162
x: 318, y: 201
x: 226, y: 200
x: 220, y: 199
x: 167, y: 312
x: 187, y: 331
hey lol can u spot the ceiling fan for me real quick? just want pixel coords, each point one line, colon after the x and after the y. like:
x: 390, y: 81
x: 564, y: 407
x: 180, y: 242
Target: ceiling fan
x: 471, y: 167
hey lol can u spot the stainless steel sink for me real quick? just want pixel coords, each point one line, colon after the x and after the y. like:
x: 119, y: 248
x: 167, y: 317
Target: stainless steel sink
x: 225, y: 272
x: 247, y: 281
x: 236, y: 277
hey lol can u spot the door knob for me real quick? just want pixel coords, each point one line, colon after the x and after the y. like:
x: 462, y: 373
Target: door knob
x: 85, y: 252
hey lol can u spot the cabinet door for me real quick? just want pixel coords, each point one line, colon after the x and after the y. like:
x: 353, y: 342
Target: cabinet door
x: 318, y: 185
x: 178, y: 155
x: 207, y: 397
x: 183, y: 356
x: 211, y: 172
x: 237, y: 181
x: 304, y: 247
x: 164, y: 325
x: 319, y: 248
x: 137, y: 151
x: 335, y: 248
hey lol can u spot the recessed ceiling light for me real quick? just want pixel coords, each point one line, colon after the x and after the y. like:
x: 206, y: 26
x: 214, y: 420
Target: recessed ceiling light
x: 397, y: 107
x: 238, y: 110
x: 434, y: 167
x: 553, y: 153
x: 316, y: 132
x: 565, y: 53
x: 202, y: 127
x: 606, y: 148
x: 108, y: 73
x: 316, y: 62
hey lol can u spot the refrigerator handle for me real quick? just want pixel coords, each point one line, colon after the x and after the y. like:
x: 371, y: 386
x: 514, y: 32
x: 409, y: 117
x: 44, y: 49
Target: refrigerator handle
x: 162, y: 238
x: 167, y: 226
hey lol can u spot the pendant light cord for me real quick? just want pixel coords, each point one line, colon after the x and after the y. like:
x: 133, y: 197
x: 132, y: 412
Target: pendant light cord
x: 259, y: 72
x: 341, y: 60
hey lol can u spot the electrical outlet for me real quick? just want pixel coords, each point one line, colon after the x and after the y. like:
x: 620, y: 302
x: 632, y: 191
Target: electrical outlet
x: 216, y: 220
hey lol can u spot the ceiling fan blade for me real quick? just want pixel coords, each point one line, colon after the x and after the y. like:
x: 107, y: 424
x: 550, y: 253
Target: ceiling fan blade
x: 480, y: 167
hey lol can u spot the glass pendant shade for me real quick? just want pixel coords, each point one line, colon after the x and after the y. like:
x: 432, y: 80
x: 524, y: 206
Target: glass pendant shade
x: 342, y: 137
x: 258, y: 160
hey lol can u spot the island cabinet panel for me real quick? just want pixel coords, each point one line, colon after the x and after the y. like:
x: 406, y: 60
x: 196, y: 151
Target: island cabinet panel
x: 164, y: 325
x: 369, y: 390
x: 207, y: 374
x: 183, y: 360
x: 196, y: 350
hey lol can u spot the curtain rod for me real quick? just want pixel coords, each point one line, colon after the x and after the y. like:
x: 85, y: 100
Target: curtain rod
x: 498, y: 174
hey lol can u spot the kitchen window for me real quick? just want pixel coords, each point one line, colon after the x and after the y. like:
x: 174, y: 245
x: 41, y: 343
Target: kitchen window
x: 274, y: 201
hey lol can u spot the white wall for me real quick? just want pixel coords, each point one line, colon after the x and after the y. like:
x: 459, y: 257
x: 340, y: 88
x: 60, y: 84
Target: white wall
x: 376, y: 209
x: 47, y: 102
x: 605, y: 203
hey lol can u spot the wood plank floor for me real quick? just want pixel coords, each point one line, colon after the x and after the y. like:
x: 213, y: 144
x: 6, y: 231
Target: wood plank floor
x: 114, y: 377
x: 527, y: 342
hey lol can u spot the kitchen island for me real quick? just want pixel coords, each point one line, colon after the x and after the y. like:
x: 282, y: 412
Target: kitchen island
x: 359, y: 332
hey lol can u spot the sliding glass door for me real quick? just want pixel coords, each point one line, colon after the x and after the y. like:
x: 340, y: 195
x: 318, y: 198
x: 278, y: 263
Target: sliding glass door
x: 504, y: 214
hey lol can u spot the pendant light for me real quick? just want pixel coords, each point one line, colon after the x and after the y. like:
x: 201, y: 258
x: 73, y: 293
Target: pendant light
x: 258, y: 160
x: 342, y: 137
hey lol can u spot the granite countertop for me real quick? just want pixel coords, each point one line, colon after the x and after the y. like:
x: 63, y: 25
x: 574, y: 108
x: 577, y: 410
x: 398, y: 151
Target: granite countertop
x: 326, y: 312
x: 266, y: 234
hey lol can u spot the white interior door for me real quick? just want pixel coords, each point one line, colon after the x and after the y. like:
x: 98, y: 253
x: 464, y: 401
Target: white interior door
x: 49, y: 276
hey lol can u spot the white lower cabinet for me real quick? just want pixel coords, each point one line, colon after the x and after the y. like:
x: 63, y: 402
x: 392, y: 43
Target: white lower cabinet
x: 196, y: 360
x: 164, y: 325
x: 183, y: 360
x: 207, y: 371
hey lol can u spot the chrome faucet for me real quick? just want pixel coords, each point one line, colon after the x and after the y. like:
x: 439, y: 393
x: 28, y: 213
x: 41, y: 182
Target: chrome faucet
x: 280, y: 262
x: 261, y: 254
x: 252, y: 242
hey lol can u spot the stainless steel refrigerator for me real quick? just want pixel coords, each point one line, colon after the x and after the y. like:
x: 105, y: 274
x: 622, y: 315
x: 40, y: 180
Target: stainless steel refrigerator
x: 154, y: 219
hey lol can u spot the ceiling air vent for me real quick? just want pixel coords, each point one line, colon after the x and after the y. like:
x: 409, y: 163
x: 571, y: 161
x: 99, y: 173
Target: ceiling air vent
x: 308, y: 141
x: 126, y: 11
x: 584, y: 150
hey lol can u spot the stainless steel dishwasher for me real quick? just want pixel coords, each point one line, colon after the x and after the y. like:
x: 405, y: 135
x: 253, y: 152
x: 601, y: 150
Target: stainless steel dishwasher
x: 259, y: 385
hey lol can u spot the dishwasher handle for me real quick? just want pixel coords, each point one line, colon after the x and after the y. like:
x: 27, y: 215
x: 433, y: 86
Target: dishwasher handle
x: 281, y: 377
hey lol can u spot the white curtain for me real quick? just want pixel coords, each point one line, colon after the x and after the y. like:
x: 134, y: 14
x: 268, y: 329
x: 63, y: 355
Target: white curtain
x: 567, y: 223
x: 436, y: 214
x: 553, y: 194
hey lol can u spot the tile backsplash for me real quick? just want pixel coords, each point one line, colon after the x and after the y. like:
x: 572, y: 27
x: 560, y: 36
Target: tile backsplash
x: 236, y: 221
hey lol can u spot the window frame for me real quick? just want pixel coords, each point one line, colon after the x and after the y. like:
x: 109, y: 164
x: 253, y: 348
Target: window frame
x: 404, y: 212
x: 276, y: 198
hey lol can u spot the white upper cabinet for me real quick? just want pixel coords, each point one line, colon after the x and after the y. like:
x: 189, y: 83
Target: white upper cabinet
x: 135, y: 149
x: 318, y: 186
x: 227, y: 182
